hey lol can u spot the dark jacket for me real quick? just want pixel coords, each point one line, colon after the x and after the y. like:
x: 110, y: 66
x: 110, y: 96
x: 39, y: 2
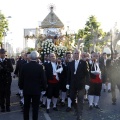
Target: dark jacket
x: 32, y: 78
x: 6, y: 68
x: 82, y: 77
x: 49, y: 71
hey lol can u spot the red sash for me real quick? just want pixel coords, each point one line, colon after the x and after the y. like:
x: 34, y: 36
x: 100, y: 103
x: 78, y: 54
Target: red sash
x: 54, y: 80
x: 96, y: 80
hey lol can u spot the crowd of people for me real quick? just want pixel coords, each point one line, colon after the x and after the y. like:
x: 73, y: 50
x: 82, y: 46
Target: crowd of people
x: 76, y: 77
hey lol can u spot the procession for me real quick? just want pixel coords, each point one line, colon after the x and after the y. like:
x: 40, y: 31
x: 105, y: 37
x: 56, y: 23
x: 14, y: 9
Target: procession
x: 60, y: 74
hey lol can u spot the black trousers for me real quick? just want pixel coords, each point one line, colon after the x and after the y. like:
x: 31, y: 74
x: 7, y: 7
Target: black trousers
x: 5, y: 92
x: 35, y: 106
x: 62, y: 84
x: 79, y: 94
x: 53, y: 90
x: 95, y: 89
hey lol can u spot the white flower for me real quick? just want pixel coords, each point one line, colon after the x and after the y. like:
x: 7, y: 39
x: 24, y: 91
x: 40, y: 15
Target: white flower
x: 41, y: 52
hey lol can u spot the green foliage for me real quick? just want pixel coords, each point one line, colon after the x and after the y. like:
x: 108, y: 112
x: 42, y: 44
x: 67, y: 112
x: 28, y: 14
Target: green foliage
x: 92, y: 23
x: 91, y: 32
x: 3, y: 26
x: 80, y: 33
x: 88, y: 41
x: 30, y: 49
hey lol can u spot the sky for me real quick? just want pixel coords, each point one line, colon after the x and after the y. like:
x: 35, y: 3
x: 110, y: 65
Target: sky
x: 27, y: 14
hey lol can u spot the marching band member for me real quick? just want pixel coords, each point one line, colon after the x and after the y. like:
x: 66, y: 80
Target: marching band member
x: 53, y: 82
x: 95, y: 82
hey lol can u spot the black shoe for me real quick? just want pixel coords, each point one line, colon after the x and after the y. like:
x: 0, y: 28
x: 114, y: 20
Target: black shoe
x: 104, y: 90
x: 55, y: 109
x: 114, y: 103
x: 96, y: 106
x: 79, y: 118
x: 2, y: 110
x: 8, y: 109
x: 43, y: 106
x: 90, y: 107
x: 48, y: 110
x: 62, y: 104
x: 18, y: 94
x: 109, y: 91
x: 68, y: 109
x: 85, y: 99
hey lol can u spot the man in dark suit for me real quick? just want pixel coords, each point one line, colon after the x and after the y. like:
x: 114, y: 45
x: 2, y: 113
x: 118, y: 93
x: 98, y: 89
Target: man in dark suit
x: 78, y: 80
x: 32, y: 81
x: 5, y: 81
x: 18, y: 68
x: 102, y: 64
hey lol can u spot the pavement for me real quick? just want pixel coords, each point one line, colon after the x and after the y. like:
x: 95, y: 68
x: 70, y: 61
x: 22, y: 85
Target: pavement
x: 107, y: 111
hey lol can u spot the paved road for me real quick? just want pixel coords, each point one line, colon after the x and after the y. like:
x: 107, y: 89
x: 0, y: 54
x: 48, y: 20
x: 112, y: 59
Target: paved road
x: 108, y: 112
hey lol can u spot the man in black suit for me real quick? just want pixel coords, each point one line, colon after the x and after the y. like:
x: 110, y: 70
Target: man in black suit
x: 78, y: 80
x: 32, y: 81
x: 5, y: 81
x: 18, y: 68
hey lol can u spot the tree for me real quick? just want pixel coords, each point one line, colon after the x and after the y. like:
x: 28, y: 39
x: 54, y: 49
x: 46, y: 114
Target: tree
x: 92, y: 32
x: 3, y: 27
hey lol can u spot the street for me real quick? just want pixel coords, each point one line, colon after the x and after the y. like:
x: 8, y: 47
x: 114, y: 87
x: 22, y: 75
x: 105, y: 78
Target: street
x: 107, y: 112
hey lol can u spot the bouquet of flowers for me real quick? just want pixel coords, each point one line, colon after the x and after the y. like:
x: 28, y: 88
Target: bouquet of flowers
x: 60, y: 51
x: 47, y: 47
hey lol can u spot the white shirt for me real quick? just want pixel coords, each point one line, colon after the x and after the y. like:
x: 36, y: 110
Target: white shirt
x: 76, y: 65
x: 105, y: 62
x: 54, y: 66
x: 2, y: 59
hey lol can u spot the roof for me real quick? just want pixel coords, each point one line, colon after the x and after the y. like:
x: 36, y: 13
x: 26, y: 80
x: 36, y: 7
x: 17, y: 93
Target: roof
x: 52, y: 20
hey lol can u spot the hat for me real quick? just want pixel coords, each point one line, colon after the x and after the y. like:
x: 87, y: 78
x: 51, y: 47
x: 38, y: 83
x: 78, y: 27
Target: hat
x: 2, y: 51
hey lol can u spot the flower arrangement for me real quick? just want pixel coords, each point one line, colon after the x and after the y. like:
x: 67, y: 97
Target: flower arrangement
x: 60, y: 51
x: 47, y: 47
